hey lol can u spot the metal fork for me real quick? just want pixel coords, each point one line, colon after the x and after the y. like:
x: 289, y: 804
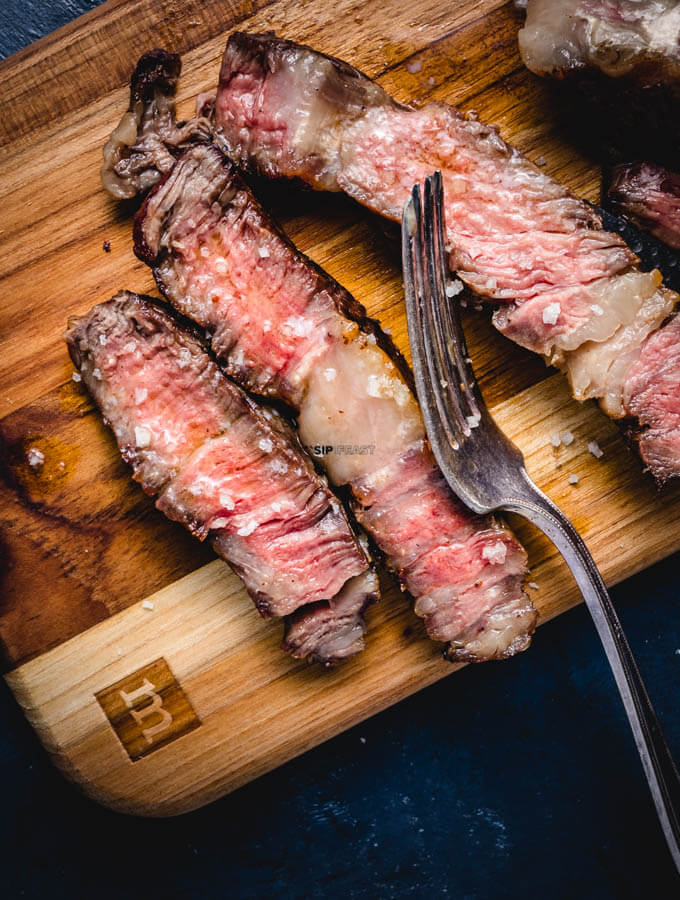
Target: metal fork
x: 486, y: 470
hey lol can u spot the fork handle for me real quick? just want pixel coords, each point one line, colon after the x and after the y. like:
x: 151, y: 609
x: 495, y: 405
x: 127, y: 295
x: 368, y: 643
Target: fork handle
x: 657, y: 762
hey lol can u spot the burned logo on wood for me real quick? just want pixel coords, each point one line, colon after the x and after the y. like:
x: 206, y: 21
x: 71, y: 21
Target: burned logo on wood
x: 148, y: 709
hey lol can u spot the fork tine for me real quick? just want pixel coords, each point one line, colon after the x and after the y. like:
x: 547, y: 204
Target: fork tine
x: 450, y: 399
x: 452, y: 357
x: 444, y: 428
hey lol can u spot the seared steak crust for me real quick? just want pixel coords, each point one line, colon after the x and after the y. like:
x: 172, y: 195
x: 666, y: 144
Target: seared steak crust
x: 229, y: 471
x: 286, y: 330
x: 563, y: 286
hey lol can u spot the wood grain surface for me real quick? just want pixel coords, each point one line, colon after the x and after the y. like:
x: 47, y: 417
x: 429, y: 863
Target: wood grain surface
x: 82, y: 546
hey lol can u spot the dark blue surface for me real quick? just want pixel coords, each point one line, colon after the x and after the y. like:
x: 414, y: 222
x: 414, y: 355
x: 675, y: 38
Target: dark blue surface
x: 514, y: 779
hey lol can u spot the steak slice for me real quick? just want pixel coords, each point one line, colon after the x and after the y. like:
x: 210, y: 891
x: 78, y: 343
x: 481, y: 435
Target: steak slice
x: 332, y: 630
x: 229, y: 471
x: 144, y: 144
x: 285, y: 329
x: 563, y: 286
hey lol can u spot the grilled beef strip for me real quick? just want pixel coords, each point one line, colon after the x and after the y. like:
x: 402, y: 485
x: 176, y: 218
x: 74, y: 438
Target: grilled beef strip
x: 145, y: 143
x: 286, y: 330
x: 616, y: 69
x: 649, y: 195
x: 226, y: 469
x: 562, y: 285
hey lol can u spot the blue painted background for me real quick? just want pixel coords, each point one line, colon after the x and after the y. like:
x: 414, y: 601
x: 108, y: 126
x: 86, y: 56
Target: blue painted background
x: 515, y: 779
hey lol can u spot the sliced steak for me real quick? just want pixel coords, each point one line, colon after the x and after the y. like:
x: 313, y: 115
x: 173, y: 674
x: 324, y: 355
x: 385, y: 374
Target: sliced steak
x: 229, y: 471
x: 332, y: 630
x: 649, y: 195
x: 144, y: 144
x: 285, y: 329
x: 563, y: 286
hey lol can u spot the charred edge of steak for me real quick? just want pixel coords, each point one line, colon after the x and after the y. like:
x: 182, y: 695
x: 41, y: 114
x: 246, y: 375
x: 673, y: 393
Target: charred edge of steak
x: 266, y: 47
x: 156, y: 71
x: 346, y: 304
x: 147, y: 139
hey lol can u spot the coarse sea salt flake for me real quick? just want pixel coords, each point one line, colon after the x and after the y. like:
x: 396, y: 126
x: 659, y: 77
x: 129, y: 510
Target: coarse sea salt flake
x: 96, y: 372
x: 597, y: 309
x: 573, y: 479
x: 551, y: 313
x: 103, y: 340
x: 495, y: 553
x: 219, y: 522
x: 329, y: 374
x: 142, y: 436
x: 264, y: 253
x: 147, y: 604
x: 555, y: 439
x: 413, y: 66
x: 226, y: 501
x: 533, y: 585
x: 266, y: 445
x: 299, y: 326
x: 453, y: 288
x: 567, y: 438
x: 184, y: 358
x: 266, y: 326
x: 77, y: 377
x: 595, y: 449
x: 373, y: 386
x: 35, y: 457
x: 140, y: 395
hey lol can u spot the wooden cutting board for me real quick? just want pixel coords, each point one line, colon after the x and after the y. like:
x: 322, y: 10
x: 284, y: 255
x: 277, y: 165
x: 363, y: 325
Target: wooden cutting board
x: 138, y: 658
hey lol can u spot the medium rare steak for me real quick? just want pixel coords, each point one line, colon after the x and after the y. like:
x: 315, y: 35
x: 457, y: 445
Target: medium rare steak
x: 285, y: 329
x: 563, y: 286
x: 229, y: 471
